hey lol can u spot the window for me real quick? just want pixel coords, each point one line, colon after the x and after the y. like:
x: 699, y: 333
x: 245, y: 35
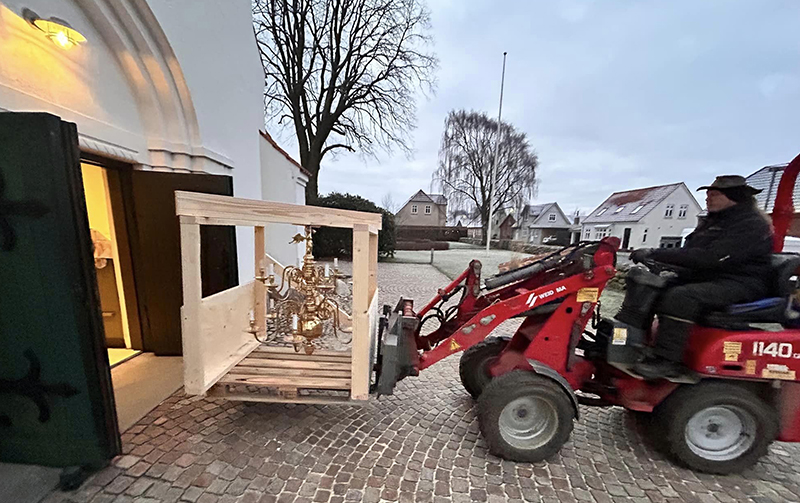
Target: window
x: 413, y: 209
x: 600, y: 233
x: 619, y: 209
x: 668, y: 211
x: 637, y: 209
x: 682, y: 211
x: 551, y: 217
x: 644, y: 236
x: 601, y: 212
x: 427, y: 209
x: 587, y: 234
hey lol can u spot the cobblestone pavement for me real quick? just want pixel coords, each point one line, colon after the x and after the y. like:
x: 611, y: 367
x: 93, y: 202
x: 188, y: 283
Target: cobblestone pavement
x: 422, y: 444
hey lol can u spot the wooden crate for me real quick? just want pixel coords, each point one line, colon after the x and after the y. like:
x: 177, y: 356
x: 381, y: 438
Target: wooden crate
x: 222, y: 359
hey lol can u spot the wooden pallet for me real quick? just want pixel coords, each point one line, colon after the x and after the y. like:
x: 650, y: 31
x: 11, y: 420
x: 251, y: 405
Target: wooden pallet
x: 279, y: 374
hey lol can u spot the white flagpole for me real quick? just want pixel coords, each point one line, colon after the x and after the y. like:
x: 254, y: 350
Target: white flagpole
x: 494, y: 165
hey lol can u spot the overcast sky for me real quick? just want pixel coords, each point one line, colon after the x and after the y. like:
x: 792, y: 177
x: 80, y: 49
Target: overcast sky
x: 613, y: 94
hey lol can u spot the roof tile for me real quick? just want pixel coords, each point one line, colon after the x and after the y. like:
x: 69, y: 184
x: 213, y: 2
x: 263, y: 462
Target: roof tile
x: 621, y: 206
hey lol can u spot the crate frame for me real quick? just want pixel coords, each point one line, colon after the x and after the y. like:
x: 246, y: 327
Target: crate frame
x: 217, y: 347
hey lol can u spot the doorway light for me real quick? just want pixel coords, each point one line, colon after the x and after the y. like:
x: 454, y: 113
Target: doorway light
x: 57, y: 30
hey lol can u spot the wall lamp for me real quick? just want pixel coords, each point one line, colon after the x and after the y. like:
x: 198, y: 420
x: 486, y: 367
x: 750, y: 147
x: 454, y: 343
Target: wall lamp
x: 57, y: 30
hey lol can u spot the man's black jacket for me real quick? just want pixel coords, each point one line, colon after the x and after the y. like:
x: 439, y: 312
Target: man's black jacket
x: 735, y: 244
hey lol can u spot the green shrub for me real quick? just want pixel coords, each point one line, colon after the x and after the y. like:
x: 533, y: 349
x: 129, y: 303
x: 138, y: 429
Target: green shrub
x: 334, y: 242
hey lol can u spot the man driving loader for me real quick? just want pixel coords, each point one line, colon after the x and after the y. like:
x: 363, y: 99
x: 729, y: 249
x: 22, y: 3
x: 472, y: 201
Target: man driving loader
x: 726, y: 261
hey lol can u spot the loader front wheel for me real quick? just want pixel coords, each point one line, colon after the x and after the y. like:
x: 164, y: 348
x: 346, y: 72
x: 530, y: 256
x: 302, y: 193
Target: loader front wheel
x: 473, y: 366
x: 525, y: 417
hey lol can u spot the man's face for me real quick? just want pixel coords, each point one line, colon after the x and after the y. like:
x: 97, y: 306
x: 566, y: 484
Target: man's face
x: 717, y: 201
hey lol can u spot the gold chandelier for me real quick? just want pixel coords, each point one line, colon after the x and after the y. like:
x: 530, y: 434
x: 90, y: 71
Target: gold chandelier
x: 300, y: 308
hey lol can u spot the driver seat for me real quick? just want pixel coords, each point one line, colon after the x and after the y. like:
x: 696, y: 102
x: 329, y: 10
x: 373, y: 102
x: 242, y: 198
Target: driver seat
x: 775, y: 309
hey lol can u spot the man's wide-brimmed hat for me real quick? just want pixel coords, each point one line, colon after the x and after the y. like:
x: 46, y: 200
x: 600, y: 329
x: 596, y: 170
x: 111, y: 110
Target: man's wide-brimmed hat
x: 730, y: 182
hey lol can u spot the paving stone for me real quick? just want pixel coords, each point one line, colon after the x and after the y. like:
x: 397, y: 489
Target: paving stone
x: 422, y: 444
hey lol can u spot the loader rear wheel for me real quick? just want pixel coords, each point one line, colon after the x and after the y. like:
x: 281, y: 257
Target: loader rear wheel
x: 718, y: 428
x: 473, y: 366
x: 525, y: 417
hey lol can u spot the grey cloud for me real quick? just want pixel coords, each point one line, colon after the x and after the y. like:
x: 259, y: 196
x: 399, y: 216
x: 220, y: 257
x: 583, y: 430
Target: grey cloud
x: 613, y: 94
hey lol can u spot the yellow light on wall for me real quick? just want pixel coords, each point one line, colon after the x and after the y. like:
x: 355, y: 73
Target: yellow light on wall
x: 57, y: 30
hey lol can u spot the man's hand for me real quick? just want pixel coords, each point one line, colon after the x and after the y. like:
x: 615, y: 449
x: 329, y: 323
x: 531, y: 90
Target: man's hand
x: 640, y: 255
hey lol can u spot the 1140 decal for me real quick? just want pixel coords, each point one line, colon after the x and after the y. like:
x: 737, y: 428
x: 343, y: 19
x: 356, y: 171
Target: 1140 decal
x: 775, y: 349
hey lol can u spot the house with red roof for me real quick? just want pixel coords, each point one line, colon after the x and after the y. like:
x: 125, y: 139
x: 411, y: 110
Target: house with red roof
x: 652, y: 217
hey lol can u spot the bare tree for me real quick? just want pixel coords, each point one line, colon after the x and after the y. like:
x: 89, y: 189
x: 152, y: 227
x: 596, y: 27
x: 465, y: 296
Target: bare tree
x: 345, y: 73
x: 388, y: 203
x: 466, y: 155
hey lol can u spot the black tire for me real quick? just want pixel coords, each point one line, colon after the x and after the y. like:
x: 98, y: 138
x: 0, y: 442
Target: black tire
x: 717, y: 410
x: 500, y: 409
x: 472, y: 366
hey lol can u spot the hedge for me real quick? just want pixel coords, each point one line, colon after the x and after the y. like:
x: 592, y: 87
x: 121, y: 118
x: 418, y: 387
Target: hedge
x: 335, y: 242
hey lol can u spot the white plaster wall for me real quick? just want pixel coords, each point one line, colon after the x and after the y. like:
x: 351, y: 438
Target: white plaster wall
x: 84, y: 84
x: 203, y: 113
x: 281, y: 181
x: 215, y: 45
x: 658, y: 226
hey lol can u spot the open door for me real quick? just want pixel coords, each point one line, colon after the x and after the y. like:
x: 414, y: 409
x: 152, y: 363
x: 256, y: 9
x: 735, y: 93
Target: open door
x: 156, y: 252
x: 56, y: 399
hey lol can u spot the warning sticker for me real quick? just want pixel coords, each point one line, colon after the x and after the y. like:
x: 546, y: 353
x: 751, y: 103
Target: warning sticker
x: 588, y: 294
x: 732, y: 350
x: 454, y: 346
x: 775, y: 371
x: 620, y: 337
x: 750, y: 367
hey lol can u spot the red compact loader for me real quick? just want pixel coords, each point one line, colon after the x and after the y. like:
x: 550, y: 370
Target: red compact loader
x: 742, y: 393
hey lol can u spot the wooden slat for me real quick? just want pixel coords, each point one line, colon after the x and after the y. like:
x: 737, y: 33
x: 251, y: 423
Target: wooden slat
x: 287, y: 381
x: 276, y: 371
x: 210, y: 209
x: 291, y: 351
x: 373, y: 264
x: 301, y: 357
x: 294, y: 364
x: 221, y: 392
x: 193, y: 352
x: 361, y: 335
x: 260, y: 288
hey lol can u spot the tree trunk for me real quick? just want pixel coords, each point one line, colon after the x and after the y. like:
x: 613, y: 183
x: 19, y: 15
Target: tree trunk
x: 312, y: 188
x: 312, y: 193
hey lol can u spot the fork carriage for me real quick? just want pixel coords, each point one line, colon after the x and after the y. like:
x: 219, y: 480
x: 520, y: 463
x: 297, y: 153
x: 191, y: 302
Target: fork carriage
x: 221, y: 355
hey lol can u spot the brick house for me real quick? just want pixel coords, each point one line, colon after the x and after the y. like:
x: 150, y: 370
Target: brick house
x: 428, y: 210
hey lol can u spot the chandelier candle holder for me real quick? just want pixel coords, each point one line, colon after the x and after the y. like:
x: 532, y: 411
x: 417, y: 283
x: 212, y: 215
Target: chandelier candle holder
x: 299, y: 307
x: 261, y: 341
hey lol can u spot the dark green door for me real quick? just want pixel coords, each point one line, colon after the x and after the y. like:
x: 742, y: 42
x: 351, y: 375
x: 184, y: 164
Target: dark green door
x: 56, y: 399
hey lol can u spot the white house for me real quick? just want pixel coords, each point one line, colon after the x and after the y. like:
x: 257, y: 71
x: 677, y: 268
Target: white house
x: 652, y: 217
x: 542, y: 224
x: 282, y: 179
